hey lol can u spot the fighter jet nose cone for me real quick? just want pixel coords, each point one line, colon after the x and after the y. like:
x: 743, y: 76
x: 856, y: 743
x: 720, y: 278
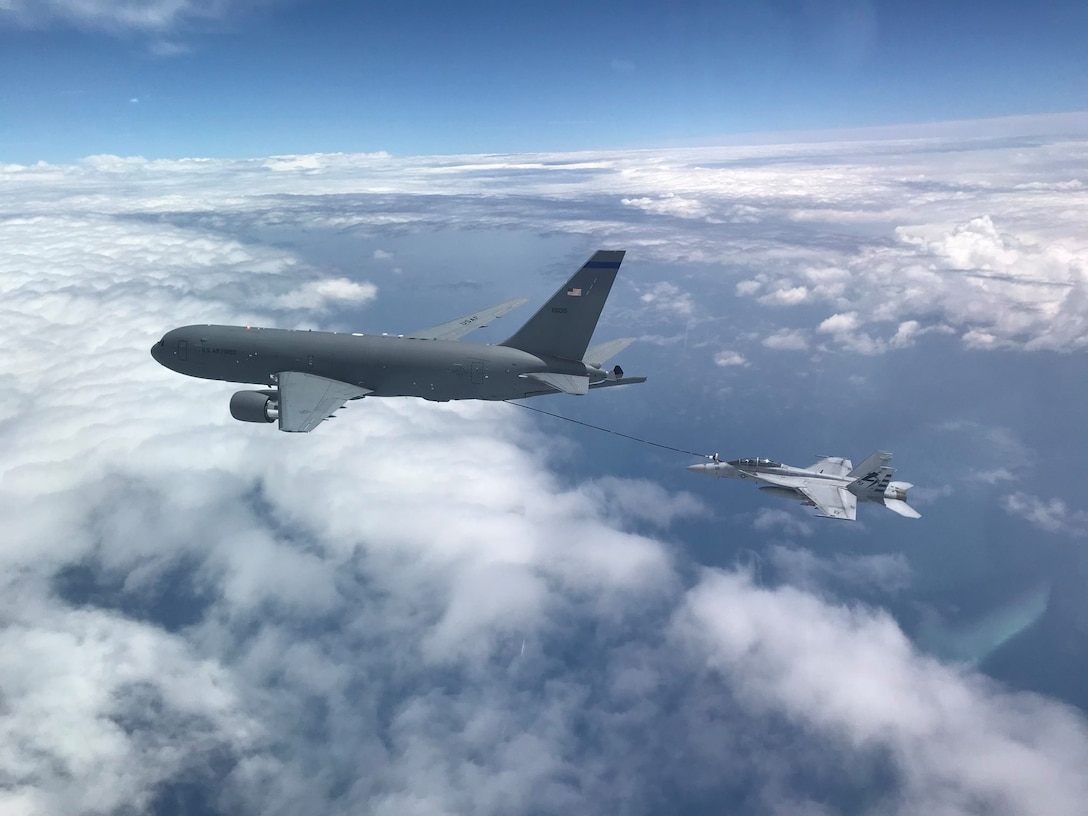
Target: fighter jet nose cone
x: 696, y: 468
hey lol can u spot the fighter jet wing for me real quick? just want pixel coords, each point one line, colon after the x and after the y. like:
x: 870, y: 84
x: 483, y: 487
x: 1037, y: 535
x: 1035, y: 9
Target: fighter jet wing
x: 307, y: 400
x: 830, y: 500
x: 456, y: 329
x: 832, y: 466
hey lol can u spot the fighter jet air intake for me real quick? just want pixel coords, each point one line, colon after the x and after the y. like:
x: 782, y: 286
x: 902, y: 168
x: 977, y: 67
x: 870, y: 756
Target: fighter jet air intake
x: 306, y: 376
x: 833, y: 485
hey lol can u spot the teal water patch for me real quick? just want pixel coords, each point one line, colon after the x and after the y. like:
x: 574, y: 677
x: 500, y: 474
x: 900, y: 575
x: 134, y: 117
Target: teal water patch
x: 973, y: 641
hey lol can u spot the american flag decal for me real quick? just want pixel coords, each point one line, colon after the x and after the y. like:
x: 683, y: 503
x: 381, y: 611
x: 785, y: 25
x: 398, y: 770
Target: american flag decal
x: 574, y: 293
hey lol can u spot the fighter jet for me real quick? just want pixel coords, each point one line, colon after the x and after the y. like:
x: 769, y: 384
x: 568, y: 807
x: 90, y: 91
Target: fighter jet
x: 833, y: 485
x: 306, y: 376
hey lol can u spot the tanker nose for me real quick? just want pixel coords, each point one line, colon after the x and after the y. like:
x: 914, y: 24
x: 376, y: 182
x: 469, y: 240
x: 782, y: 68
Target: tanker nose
x: 157, y: 350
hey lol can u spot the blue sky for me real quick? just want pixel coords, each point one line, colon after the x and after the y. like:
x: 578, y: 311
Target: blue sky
x: 249, y: 78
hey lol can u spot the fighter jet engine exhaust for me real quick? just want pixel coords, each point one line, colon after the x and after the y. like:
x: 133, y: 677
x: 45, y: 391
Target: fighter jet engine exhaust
x: 254, y: 406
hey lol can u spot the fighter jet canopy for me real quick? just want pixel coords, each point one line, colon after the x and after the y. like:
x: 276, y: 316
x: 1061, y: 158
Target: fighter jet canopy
x: 755, y: 462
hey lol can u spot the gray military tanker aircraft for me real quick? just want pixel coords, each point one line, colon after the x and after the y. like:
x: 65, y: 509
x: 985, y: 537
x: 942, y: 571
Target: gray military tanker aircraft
x: 309, y: 375
x: 833, y: 485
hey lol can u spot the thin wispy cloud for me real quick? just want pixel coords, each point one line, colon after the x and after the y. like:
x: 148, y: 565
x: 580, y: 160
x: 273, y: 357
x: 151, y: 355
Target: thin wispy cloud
x: 146, y: 16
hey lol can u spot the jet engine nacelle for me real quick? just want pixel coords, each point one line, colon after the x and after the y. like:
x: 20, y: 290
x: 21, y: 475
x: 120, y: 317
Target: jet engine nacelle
x: 254, y: 406
x: 598, y: 374
x: 897, y: 490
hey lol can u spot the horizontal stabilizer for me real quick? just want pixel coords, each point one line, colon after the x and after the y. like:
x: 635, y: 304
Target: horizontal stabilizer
x: 603, y: 352
x: 902, y: 508
x: 567, y: 383
x: 620, y: 381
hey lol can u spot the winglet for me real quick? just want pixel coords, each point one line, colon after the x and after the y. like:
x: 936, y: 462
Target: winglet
x: 902, y: 508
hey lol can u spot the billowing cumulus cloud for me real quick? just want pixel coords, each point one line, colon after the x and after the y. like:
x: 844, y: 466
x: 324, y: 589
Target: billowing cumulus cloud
x: 852, y: 675
x: 728, y: 359
x: 670, y: 298
x: 418, y: 608
x: 785, y: 297
x: 786, y: 340
x: 1052, y: 515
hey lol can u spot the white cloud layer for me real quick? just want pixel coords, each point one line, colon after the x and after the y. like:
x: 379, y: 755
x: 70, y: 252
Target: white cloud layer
x: 320, y: 295
x: 983, y: 239
x: 409, y: 611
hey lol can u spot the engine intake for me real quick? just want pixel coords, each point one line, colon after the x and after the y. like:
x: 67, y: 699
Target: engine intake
x: 255, y: 406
